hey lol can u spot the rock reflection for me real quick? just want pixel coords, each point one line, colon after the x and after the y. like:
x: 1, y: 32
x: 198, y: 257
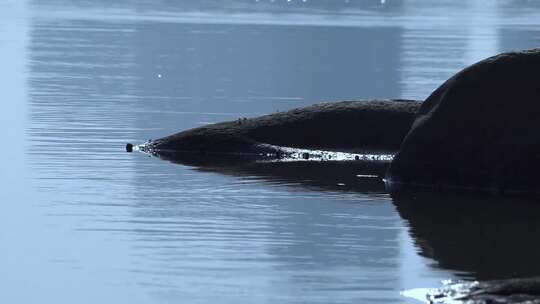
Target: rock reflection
x: 484, y: 236
x: 358, y: 176
x: 475, y: 236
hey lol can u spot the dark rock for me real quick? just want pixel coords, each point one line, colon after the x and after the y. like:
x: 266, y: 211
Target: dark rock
x: 479, y: 130
x: 378, y: 125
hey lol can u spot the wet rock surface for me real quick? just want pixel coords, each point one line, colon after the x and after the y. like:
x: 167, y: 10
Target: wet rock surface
x: 511, y: 291
x: 479, y: 130
x: 376, y: 125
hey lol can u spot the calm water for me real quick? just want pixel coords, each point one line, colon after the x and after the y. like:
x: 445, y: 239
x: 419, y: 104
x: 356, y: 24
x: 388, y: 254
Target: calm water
x: 84, y: 222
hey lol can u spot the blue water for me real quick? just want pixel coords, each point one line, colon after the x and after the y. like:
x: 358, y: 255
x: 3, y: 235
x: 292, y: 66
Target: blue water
x: 81, y: 221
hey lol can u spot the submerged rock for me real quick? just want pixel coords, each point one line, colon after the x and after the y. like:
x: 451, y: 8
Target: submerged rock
x: 479, y: 130
x: 377, y: 125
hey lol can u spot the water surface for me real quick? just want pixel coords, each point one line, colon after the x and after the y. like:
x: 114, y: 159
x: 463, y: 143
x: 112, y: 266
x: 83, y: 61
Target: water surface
x: 84, y: 222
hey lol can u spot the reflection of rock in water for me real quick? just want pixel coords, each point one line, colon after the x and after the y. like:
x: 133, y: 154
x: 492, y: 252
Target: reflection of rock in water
x: 359, y: 176
x: 488, y: 237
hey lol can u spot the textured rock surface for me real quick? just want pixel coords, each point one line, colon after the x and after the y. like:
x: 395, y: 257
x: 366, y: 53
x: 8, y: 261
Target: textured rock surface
x: 511, y: 291
x: 378, y: 125
x: 479, y: 130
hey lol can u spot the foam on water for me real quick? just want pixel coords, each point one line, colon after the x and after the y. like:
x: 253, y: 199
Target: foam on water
x: 290, y: 154
x: 452, y: 292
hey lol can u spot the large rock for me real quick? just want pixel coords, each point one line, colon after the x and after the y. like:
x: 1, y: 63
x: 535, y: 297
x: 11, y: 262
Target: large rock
x: 479, y: 130
x: 377, y: 125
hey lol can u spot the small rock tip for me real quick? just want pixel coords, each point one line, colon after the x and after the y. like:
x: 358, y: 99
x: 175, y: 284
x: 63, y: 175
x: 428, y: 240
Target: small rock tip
x: 129, y: 147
